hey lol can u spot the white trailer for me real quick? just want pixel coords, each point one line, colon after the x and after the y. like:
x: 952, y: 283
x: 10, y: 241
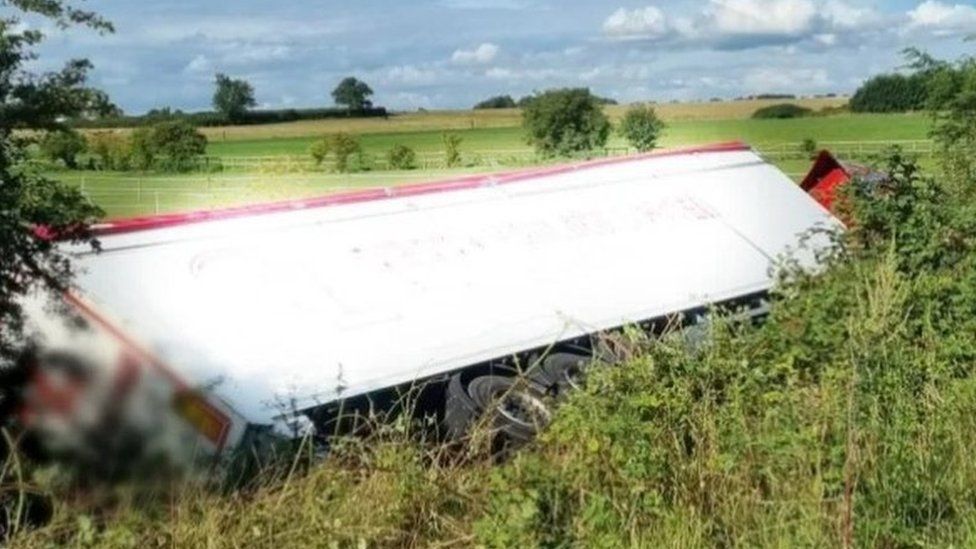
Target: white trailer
x: 242, y: 318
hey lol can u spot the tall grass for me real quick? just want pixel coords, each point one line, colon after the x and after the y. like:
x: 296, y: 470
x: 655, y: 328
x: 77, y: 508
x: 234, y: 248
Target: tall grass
x: 846, y: 419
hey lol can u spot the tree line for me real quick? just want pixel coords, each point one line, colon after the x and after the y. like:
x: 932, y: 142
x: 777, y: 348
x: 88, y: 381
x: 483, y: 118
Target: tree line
x: 234, y: 103
x: 909, y: 91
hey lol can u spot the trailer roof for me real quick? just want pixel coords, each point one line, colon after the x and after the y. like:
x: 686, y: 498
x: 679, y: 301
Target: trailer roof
x: 304, y: 302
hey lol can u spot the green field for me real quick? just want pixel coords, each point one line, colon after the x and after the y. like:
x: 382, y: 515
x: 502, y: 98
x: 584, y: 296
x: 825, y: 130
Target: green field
x: 679, y: 133
x: 495, y: 143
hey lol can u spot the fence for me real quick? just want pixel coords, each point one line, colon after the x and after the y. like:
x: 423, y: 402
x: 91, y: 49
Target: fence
x: 845, y: 149
x: 501, y: 158
x: 424, y: 160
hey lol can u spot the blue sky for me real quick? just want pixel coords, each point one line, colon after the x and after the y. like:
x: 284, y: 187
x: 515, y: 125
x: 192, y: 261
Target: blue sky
x: 452, y: 53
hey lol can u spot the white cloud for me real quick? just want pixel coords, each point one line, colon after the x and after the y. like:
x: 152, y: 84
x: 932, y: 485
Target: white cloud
x: 943, y: 18
x: 411, y: 75
x: 482, y: 55
x: 841, y: 15
x: 198, y: 65
x: 499, y: 73
x: 781, y: 79
x: 733, y: 24
x: 761, y: 17
x: 645, y: 23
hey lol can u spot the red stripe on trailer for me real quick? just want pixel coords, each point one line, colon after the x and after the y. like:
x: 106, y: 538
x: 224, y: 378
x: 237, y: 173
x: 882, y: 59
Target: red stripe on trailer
x: 183, y: 389
x: 471, y: 182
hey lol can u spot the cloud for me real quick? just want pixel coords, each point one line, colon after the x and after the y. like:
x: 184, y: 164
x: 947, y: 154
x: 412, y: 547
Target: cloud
x: 943, y: 18
x: 199, y: 65
x: 842, y: 16
x: 482, y: 55
x: 645, y: 23
x: 741, y: 24
x: 411, y: 75
x: 784, y: 79
x: 761, y: 17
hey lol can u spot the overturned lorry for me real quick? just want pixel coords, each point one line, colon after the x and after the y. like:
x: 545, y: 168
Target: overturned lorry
x: 193, y: 335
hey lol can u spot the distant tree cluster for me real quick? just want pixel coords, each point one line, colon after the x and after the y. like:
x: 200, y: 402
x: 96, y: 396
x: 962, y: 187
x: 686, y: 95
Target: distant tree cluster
x: 568, y: 122
x: 497, y: 102
x: 167, y: 146
x: 782, y: 111
x: 892, y: 93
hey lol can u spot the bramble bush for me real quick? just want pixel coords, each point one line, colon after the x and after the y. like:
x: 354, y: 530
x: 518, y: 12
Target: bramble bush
x: 401, y: 157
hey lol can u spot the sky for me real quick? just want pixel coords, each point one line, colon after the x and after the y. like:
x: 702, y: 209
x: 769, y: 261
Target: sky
x: 452, y: 53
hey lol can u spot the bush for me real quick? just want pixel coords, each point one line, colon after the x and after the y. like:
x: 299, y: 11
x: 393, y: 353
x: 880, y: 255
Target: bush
x: 498, y: 102
x: 452, y: 149
x: 565, y: 122
x: 144, y: 148
x: 179, y: 143
x: 112, y: 150
x: 891, y: 93
x: 63, y: 146
x: 402, y: 157
x: 809, y: 147
x: 641, y: 127
x: 342, y: 147
x: 781, y: 111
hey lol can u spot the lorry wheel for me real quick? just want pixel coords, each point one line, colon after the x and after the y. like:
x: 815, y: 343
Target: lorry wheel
x: 562, y: 373
x: 511, y: 408
x: 516, y: 410
x: 460, y: 411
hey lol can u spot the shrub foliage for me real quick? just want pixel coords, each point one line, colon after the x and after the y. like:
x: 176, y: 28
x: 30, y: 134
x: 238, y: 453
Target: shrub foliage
x: 781, y: 111
x: 497, y: 102
x: 565, y: 122
x: 641, y: 127
x: 402, y: 157
x: 891, y: 93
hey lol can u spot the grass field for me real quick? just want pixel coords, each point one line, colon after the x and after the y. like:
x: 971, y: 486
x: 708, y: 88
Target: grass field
x: 848, y: 127
x: 492, y: 140
x: 483, y: 119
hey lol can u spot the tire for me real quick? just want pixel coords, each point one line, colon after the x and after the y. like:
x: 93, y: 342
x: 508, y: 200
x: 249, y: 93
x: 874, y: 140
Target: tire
x: 562, y: 373
x: 460, y: 411
x: 513, y: 408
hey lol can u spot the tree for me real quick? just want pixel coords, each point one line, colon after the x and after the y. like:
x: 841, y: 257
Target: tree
x: 565, y: 122
x: 353, y: 93
x: 63, y: 146
x: 143, y: 148
x: 452, y: 149
x: 641, y: 127
x: 29, y: 258
x: 179, y: 143
x: 233, y: 98
x: 497, y: 102
x: 891, y: 93
x: 951, y: 102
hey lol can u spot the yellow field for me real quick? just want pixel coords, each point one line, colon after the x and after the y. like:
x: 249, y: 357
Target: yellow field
x: 492, y: 118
